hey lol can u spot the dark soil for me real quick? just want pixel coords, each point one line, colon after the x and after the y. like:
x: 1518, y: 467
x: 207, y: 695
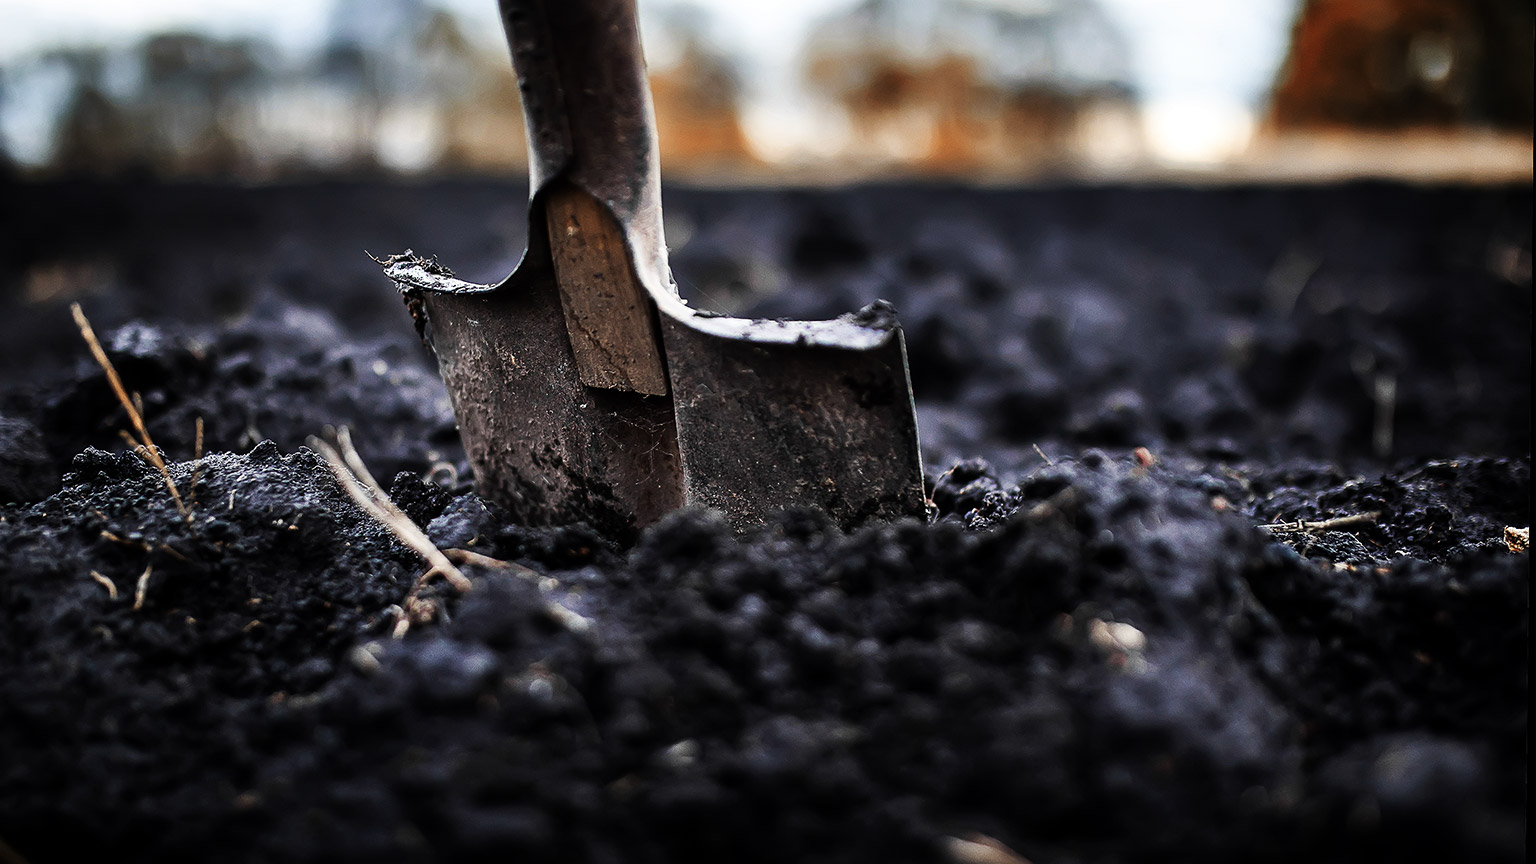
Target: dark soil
x: 1095, y: 653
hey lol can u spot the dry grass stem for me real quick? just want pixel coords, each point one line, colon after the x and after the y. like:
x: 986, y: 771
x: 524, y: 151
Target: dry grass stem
x: 110, y: 585
x: 1353, y: 520
x: 475, y: 559
x: 359, y: 484
x: 138, y: 544
x: 144, y: 446
x: 166, y: 548
x: 572, y: 621
x: 140, y: 589
x: 146, y: 546
x: 197, y: 468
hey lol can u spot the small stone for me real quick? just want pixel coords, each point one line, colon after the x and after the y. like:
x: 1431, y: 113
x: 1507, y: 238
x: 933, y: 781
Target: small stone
x: 680, y: 755
x: 1116, y: 638
x: 364, y: 658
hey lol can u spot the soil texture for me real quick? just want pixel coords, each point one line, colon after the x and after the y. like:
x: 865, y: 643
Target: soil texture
x: 1224, y: 562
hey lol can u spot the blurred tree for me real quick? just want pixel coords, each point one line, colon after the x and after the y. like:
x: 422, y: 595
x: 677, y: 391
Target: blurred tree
x: 957, y: 85
x: 475, y: 95
x: 697, y: 98
x: 189, y: 103
x: 95, y: 136
x: 1391, y: 64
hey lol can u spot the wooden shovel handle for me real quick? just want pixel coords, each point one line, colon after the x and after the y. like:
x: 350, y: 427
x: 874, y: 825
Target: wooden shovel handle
x: 594, y: 168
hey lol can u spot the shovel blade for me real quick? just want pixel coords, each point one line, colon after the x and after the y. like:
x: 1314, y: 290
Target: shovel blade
x: 767, y: 424
x: 762, y: 416
x: 548, y: 448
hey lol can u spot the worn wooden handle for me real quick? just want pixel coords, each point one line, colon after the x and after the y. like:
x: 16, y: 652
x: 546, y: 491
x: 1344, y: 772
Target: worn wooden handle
x: 608, y: 316
x: 591, y: 135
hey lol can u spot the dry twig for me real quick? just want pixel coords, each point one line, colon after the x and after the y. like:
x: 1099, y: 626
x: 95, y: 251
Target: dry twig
x: 144, y: 446
x: 146, y: 546
x: 197, y: 469
x: 110, y: 585
x: 475, y: 559
x: 142, y: 587
x: 359, y: 484
x: 1351, y: 521
x: 354, y: 477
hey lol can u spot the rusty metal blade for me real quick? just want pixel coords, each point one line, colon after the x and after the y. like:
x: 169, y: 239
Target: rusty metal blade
x: 550, y: 449
x: 811, y: 414
x: 760, y: 415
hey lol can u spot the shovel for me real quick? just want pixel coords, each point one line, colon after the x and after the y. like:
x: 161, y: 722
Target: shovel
x: 586, y: 390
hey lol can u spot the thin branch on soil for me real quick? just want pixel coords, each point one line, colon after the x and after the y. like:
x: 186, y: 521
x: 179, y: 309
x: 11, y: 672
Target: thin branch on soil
x: 137, y: 544
x: 145, y: 446
x: 361, y: 488
x: 572, y: 621
x: 140, y: 589
x: 353, y: 476
x: 145, y: 545
x: 1044, y: 457
x: 475, y: 559
x: 1351, y: 521
x: 110, y: 585
x: 166, y: 548
x: 197, y: 469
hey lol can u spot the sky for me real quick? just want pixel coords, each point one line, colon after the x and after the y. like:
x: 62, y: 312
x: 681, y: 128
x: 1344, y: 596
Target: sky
x: 1198, y: 64
x: 1210, y: 48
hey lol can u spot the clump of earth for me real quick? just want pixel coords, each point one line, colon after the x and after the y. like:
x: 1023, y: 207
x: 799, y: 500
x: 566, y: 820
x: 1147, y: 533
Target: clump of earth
x: 1226, y: 560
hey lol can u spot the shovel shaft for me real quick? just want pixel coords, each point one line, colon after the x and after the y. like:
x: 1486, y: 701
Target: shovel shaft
x: 587, y: 107
x: 593, y: 164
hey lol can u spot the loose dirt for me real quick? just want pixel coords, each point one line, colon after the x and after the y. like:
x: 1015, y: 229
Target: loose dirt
x: 1218, y: 571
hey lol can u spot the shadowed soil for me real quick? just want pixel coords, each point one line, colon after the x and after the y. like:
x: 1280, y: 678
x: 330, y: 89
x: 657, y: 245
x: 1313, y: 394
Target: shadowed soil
x: 1094, y: 652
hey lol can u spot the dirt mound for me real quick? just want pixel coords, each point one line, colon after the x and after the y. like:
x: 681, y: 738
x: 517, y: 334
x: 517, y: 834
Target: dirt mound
x: 1251, y: 638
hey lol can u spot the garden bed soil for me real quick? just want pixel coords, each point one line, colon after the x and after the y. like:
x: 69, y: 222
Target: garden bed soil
x: 1219, y: 570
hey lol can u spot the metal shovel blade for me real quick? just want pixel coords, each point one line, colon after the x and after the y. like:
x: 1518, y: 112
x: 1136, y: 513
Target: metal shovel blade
x: 554, y: 372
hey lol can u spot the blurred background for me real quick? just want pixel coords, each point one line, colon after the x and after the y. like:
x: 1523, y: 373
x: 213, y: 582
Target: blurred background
x: 787, y: 91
